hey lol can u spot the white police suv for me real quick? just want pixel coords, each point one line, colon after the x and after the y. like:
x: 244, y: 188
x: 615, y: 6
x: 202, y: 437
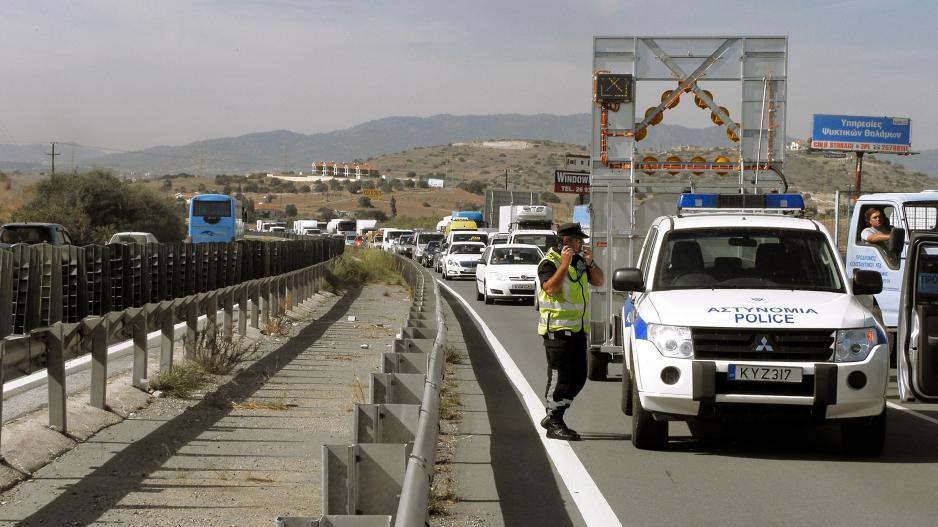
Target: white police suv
x: 741, y: 309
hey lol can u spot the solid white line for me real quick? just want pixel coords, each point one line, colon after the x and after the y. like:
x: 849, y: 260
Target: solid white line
x: 593, y: 507
x: 912, y: 412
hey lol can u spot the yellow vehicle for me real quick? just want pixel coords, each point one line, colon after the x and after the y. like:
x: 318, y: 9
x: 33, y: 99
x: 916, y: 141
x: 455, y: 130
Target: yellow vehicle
x: 460, y: 225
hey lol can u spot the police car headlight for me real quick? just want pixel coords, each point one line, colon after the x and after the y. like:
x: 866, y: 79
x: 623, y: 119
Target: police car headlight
x: 497, y: 276
x: 853, y: 345
x: 672, y: 341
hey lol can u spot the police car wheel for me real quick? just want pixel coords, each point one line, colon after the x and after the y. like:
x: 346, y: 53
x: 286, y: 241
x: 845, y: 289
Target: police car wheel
x: 647, y: 434
x: 627, y: 400
x: 864, y: 439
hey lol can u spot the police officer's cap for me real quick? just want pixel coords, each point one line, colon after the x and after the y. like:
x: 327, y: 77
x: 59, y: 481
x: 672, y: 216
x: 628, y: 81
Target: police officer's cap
x: 571, y: 229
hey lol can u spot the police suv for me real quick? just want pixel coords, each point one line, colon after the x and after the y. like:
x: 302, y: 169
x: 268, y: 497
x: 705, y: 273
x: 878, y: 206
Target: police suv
x: 741, y: 309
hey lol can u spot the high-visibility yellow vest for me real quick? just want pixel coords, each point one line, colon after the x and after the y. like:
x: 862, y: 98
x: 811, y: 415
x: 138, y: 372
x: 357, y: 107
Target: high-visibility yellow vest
x: 566, y: 311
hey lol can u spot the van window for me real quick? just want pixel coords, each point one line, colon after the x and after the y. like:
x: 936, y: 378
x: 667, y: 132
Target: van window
x: 921, y: 216
x: 889, y: 212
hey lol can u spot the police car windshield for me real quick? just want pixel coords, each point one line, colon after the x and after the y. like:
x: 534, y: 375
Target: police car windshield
x: 747, y: 259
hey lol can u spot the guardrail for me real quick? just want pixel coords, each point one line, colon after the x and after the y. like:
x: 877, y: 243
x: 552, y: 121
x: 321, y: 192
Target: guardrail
x: 70, y: 301
x: 384, y: 476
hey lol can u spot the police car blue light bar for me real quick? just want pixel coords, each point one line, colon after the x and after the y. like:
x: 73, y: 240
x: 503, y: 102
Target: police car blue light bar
x: 691, y: 202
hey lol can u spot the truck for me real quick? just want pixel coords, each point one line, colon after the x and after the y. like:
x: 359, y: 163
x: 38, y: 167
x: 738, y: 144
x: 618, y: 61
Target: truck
x: 343, y: 226
x: 525, y: 217
x: 363, y: 227
x: 739, y: 311
x: 907, y: 214
x: 306, y: 227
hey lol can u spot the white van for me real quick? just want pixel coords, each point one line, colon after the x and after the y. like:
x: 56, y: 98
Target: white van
x: 750, y: 315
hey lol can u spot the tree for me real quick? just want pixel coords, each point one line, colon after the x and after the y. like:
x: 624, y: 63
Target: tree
x: 305, y: 188
x: 373, y: 214
x: 271, y: 198
x: 325, y: 214
x: 354, y: 187
x: 423, y: 184
x: 393, y: 207
x: 365, y: 202
x: 549, y: 197
x: 93, y: 205
x: 290, y: 210
x: 320, y: 187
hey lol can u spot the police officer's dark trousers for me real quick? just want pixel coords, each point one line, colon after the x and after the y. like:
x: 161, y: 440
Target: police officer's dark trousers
x: 566, y: 369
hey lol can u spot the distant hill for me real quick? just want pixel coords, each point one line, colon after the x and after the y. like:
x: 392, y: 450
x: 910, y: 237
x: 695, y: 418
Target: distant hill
x: 285, y: 150
x: 926, y: 162
x: 32, y: 158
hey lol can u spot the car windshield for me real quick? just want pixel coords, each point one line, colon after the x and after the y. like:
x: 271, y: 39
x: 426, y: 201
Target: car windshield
x: 755, y: 258
x: 469, y: 237
x: 425, y: 237
x: 405, y: 240
x: 516, y: 256
x: 25, y: 234
x: 467, y: 249
x: 129, y: 238
x: 544, y: 241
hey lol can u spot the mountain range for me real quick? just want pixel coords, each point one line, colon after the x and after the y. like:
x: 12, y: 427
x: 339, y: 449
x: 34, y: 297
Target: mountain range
x: 283, y: 150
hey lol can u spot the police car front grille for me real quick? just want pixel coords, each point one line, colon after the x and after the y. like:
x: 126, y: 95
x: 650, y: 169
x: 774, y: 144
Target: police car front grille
x: 813, y: 345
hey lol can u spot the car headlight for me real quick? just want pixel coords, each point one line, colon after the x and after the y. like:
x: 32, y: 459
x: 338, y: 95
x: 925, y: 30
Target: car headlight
x: 854, y: 345
x: 497, y: 276
x: 672, y: 341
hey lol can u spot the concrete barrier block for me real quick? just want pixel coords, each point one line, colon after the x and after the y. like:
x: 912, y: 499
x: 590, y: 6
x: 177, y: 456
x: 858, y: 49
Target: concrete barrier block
x: 385, y: 423
x: 124, y: 399
x: 9, y: 477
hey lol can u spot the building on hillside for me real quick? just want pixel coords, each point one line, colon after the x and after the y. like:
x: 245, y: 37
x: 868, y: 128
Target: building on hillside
x: 267, y: 210
x: 576, y: 163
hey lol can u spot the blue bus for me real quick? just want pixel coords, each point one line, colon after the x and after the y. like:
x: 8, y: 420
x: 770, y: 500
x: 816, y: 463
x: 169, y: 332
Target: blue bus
x: 214, y: 218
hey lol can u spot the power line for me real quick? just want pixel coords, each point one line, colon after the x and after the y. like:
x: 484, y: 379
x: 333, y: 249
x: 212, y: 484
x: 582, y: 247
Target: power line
x: 52, y: 155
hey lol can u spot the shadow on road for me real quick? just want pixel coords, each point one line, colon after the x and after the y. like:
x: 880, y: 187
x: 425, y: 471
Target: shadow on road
x: 126, y: 470
x: 527, y: 489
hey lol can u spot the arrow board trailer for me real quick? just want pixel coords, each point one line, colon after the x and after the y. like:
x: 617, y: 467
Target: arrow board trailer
x: 630, y: 188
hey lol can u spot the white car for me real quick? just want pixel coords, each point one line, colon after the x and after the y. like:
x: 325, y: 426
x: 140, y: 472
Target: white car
x: 142, y: 238
x: 461, y: 259
x: 508, y: 271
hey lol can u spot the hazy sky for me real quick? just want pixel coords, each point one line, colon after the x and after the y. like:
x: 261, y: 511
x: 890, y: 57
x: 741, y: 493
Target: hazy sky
x: 127, y: 74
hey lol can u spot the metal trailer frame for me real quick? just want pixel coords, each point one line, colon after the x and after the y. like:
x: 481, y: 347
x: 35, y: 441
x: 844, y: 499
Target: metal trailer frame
x: 622, y: 204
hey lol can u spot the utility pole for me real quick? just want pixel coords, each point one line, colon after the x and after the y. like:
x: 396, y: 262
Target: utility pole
x: 52, y: 155
x: 506, y: 179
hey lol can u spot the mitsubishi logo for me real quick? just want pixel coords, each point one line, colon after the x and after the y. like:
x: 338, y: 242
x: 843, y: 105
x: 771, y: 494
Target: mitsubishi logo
x: 764, y: 344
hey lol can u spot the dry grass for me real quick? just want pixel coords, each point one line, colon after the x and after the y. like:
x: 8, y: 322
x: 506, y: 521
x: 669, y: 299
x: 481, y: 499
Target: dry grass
x: 220, y: 355
x: 278, y: 326
x: 181, y: 381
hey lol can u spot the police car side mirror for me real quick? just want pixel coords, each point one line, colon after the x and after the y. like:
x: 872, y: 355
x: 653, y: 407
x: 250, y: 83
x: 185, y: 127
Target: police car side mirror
x: 628, y: 279
x: 867, y: 282
x: 895, y: 242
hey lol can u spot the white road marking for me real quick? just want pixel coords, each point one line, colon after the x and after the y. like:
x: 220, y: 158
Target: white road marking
x: 593, y: 507
x: 911, y: 412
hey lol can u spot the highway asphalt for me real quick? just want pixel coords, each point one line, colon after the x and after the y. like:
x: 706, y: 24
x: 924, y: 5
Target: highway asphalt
x: 768, y: 475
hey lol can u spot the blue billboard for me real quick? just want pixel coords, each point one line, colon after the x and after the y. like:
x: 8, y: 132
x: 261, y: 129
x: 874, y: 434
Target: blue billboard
x: 861, y: 134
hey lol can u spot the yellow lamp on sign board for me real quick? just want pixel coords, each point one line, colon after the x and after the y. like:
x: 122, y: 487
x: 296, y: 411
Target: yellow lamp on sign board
x: 667, y: 95
x: 649, y: 159
x: 698, y: 160
x: 674, y: 159
x: 721, y: 159
x: 700, y: 102
x: 716, y: 118
x: 732, y: 135
x: 656, y: 119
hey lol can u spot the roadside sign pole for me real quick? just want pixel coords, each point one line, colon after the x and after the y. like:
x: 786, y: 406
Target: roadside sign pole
x: 859, y: 172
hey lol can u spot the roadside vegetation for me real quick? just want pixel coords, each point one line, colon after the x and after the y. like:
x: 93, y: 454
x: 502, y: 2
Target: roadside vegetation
x: 94, y: 205
x: 368, y: 265
x: 214, y: 355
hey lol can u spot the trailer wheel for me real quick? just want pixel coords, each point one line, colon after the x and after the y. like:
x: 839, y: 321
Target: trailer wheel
x: 597, y: 365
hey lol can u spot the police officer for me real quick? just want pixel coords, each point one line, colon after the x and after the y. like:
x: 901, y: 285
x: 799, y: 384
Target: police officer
x: 565, y: 274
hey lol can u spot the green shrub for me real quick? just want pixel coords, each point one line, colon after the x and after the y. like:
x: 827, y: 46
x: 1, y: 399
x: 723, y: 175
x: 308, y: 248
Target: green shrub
x: 184, y: 379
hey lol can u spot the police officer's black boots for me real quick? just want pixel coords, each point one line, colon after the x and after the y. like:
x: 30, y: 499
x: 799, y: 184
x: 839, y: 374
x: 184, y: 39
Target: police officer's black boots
x: 557, y: 429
